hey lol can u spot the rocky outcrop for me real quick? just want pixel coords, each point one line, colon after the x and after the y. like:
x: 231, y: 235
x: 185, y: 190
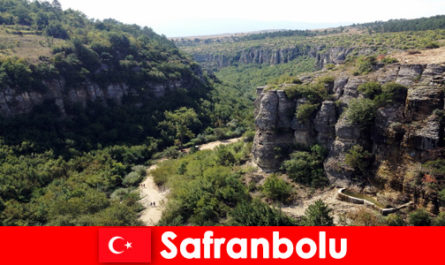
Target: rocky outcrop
x: 16, y: 101
x: 409, y: 131
x: 271, y: 56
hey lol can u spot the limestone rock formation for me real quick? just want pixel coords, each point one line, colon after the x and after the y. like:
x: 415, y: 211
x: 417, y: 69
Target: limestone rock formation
x: 405, y: 133
x: 271, y: 56
x: 16, y: 101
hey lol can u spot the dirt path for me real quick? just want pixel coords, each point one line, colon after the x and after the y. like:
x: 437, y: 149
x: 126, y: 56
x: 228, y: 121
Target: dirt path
x: 213, y: 145
x: 327, y: 196
x: 150, y: 192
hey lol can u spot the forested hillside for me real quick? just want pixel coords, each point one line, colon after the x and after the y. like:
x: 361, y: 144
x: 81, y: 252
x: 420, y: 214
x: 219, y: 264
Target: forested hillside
x: 82, y: 102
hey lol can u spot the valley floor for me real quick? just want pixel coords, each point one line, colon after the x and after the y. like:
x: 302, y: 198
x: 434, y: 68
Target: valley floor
x: 154, y: 199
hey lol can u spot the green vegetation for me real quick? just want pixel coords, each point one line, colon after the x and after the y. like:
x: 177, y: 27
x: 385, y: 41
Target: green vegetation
x: 370, y: 89
x: 307, y: 167
x: 380, y: 41
x: 359, y: 159
x: 318, y: 214
x: 257, y: 213
x: 435, y: 167
x: 277, y: 189
x: 182, y: 122
x: 365, y: 65
x: 439, y: 220
x: 361, y: 111
x: 419, y: 217
x: 249, y: 76
x: 397, y: 25
x: 366, y: 217
x: 395, y: 220
x: 40, y: 189
x: 306, y: 111
x: 391, y: 93
x: 207, y: 189
x: 442, y: 197
x: 80, y: 167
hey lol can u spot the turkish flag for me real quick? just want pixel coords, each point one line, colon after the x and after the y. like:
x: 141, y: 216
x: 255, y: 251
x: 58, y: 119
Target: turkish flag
x: 125, y: 245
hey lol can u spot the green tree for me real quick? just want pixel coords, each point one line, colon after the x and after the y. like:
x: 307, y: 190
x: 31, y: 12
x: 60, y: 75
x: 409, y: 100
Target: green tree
x: 277, y: 189
x: 361, y: 112
x: 307, y: 167
x: 318, y: 214
x: 419, y: 218
x: 359, y: 159
x: 181, y: 123
x: 394, y: 220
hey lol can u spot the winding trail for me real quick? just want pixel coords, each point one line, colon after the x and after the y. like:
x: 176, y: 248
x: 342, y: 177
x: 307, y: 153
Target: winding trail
x: 151, y: 193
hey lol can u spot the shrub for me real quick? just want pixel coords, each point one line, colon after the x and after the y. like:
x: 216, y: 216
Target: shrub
x: 442, y: 197
x: 392, y: 92
x: 419, y: 218
x: 56, y: 30
x: 389, y: 60
x: 326, y: 80
x: 132, y: 179
x: 141, y: 170
x: 330, y: 66
x: 439, y: 220
x: 315, y: 92
x: 365, y: 65
x: 291, y: 92
x: 370, y: 89
x: 306, y: 111
x: 224, y: 156
x: 318, y: 214
x: 277, y: 189
x: 15, y: 73
x: 307, y: 167
x: 365, y: 217
x: 361, y: 112
x: 359, y: 159
x: 395, y: 220
x: 436, y: 167
x: 432, y: 45
x: 257, y: 213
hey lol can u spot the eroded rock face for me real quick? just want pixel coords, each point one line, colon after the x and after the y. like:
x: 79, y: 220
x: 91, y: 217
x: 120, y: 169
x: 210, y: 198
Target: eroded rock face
x: 14, y: 101
x: 272, y: 56
x: 407, y: 131
x: 324, y: 123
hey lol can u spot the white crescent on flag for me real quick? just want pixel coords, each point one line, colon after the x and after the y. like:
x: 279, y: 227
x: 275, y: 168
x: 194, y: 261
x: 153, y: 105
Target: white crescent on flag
x: 111, y: 245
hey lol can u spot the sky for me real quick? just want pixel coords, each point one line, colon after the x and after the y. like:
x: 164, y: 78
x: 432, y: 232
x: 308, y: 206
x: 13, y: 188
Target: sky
x: 177, y: 18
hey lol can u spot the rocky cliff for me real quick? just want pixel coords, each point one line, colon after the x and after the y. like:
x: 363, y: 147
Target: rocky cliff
x: 272, y: 56
x: 403, y: 135
x: 15, y: 101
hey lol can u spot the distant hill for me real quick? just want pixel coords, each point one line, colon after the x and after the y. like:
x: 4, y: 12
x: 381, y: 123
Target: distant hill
x: 271, y: 48
x: 394, y: 25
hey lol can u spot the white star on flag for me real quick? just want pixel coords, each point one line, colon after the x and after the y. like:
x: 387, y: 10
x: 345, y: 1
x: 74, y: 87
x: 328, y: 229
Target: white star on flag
x: 128, y: 245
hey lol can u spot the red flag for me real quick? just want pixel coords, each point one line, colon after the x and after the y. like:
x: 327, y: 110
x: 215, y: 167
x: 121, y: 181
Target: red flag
x: 128, y: 245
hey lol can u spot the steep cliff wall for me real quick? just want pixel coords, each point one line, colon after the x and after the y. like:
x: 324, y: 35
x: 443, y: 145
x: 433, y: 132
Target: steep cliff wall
x: 14, y: 101
x: 403, y: 135
x: 272, y: 56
